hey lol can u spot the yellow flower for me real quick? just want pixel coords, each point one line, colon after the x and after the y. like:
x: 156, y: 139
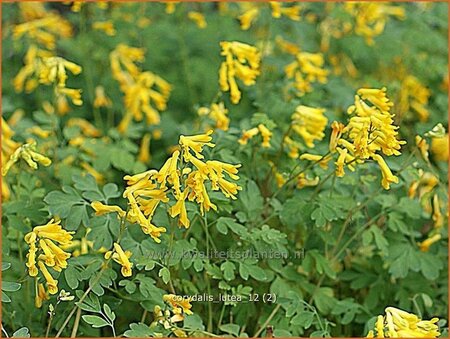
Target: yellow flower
x: 247, y: 135
x: 92, y: 171
x: 246, y: 19
x: 180, y: 209
x: 438, y: 218
x: 287, y: 46
x: 217, y: 113
x: 266, y: 134
x: 278, y: 10
x: 306, y: 69
x: 439, y: 148
x: 242, y: 61
x: 41, y: 295
x: 26, y: 152
x: 144, y: 149
x: 52, y: 284
x: 105, y: 26
x: 86, y: 127
x: 337, y: 129
x: 178, y: 302
x: 101, y: 100
x: 101, y: 209
x: 39, y: 132
x: 388, y: 177
x: 371, y: 17
x: 171, y: 6
x: 309, y: 123
x: 341, y: 162
x: 423, y: 147
x: 303, y: 181
x: 121, y: 257
x: 195, y: 143
x: 58, y: 255
x: 198, y: 18
x: 414, y: 96
x: 323, y: 161
x: 53, y: 231
x: 400, y: 324
x: 425, y: 245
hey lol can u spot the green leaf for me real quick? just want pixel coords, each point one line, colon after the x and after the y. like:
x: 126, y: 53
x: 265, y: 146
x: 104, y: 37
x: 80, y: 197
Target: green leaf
x: 90, y: 304
x: 230, y: 329
x: 5, y: 266
x: 164, y: 273
x: 22, y: 332
x: 10, y: 286
x: 303, y: 319
x: 138, y: 331
x: 5, y: 298
x: 228, y: 270
x: 380, y: 240
x: 95, y: 321
x: 109, y: 314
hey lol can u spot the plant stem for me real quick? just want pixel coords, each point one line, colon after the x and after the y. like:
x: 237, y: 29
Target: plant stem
x: 76, y: 324
x: 263, y: 327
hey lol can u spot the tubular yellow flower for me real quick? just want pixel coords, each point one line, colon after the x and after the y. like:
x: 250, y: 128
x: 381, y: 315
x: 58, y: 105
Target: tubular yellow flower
x: 52, y: 284
x: 303, y: 181
x: 180, y: 209
x: 341, y: 162
x: 41, y: 295
x: 198, y: 18
x: 246, y: 19
x: 388, y: 177
x: 101, y: 100
x: 306, y: 69
x: 53, y: 230
x: 144, y: 149
x: 247, y: 135
x: 92, y: 171
x: 309, y: 123
x: 439, y: 148
x: 26, y: 152
x: 101, y: 209
x: 178, y: 302
x: 106, y: 26
x: 438, y: 218
x: 266, y: 134
x: 423, y: 147
x: 121, y: 257
x: 425, y: 245
x: 218, y: 113
x: 323, y: 161
x: 86, y: 127
x: 195, y: 143
x: 337, y: 129
x: 241, y: 61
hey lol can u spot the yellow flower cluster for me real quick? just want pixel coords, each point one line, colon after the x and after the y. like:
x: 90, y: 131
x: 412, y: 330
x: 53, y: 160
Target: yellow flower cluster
x: 42, y: 67
x: 146, y: 190
x: 305, y: 70
x: 9, y: 146
x: 179, y: 306
x: 371, y: 17
x: 121, y: 257
x: 218, y: 113
x: 105, y: 26
x: 242, y: 61
x: 142, y: 90
x: 414, y: 96
x: 309, y: 123
x: 424, y: 188
x: 40, y: 25
x: 369, y: 131
x: 28, y: 153
x: 45, y: 244
x: 250, y: 12
x: 397, y: 323
x: 266, y: 135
